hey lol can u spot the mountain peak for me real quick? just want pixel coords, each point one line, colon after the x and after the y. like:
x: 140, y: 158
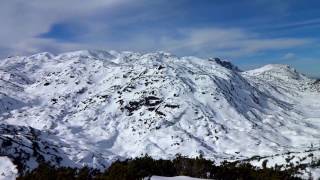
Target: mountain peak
x: 97, y: 54
x: 42, y: 55
x: 123, y: 104
x: 277, y: 70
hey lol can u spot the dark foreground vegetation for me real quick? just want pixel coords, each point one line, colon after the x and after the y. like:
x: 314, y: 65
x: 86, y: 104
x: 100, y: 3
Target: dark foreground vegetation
x: 143, y: 167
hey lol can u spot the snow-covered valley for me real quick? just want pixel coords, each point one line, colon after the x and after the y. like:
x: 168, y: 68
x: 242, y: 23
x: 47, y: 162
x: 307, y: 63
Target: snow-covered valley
x: 89, y: 108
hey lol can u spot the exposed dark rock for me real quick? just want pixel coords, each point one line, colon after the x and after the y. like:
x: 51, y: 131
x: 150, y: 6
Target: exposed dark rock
x: 171, y: 106
x: 226, y: 64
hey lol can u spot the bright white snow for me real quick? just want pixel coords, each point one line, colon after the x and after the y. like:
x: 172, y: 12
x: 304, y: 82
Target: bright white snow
x: 92, y: 107
x: 8, y: 170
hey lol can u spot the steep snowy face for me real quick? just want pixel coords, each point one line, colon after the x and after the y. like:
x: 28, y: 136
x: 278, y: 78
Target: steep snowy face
x: 28, y: 147
x: 97, y: 106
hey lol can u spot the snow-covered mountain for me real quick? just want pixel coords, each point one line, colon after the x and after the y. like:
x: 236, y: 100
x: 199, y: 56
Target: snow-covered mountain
x: 92, y: 107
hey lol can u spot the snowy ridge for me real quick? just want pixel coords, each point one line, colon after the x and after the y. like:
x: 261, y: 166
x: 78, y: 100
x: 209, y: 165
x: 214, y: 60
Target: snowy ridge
x: 97, y: 106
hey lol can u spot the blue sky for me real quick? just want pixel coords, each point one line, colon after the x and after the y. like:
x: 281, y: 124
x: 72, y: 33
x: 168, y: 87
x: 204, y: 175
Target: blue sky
x: 250, y: 33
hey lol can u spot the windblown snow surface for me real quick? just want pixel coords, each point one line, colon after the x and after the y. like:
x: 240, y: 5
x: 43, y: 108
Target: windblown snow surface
x: 92, y: 107
x: 8, y: 170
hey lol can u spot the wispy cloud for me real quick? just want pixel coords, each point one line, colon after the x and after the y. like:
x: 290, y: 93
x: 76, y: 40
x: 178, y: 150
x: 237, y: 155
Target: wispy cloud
x: 24, y: 23
x: 229, y: 42
x: 295, y: 24
x: 289, y: 56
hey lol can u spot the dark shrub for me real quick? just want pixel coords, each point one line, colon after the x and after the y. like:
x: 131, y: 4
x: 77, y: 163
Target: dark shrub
x: 142, y: 167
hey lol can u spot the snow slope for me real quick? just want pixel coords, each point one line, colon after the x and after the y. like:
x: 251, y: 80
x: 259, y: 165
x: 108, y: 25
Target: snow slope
x: 8, y: 170
x: 91, y: 107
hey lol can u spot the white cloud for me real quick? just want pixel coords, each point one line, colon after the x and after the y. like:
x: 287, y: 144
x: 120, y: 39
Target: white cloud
x: 23, y: 21
x: 297, y: 24
x: 229, y: 42
x: 289, y: 56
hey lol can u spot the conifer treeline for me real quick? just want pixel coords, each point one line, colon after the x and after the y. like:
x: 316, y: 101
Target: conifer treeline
x: 143, y: 167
